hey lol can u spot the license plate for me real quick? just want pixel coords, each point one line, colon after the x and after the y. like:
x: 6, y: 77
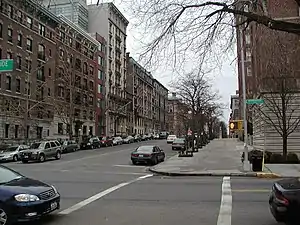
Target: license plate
x: 141, y: 156
x: 53, y: 205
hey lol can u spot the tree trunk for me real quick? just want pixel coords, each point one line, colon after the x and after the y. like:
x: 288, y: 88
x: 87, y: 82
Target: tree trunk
x: 284, y: 146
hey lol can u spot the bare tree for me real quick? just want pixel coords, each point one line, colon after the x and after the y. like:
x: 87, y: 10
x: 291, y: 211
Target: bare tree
x: 181, y: 27
x: 281, y: 108
x: 197, y: 94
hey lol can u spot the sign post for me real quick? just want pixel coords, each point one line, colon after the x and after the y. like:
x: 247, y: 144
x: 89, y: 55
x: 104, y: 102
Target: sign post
x: 6, y: 65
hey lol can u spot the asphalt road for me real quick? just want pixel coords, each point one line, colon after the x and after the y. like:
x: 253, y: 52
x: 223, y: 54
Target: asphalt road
x: 102, y: 187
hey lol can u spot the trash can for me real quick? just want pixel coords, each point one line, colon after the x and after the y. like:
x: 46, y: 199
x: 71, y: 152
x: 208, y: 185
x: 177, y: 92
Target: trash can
x: 257, y: 163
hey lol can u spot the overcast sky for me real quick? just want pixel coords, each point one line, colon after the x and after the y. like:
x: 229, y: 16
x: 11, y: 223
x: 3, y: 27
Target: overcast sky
x: 224, y: 79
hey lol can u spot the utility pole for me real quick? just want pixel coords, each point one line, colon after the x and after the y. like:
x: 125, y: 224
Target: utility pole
x: 246, y: 161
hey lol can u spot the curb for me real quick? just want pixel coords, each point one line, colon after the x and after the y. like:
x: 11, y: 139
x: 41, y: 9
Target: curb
x: 207, y: 174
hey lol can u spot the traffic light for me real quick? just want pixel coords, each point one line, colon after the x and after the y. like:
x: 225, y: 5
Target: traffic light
x: 233, y: 125
x: 236, y: 125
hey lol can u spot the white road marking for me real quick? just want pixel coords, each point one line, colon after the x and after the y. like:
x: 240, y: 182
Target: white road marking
x: 95, y: 197
x: 224, y: 217
x: 129, y: 166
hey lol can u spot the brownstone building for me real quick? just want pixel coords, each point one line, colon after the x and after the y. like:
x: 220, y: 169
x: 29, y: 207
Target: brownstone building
x: 75, y: 86
x: 27, y: 35
x: 269, y: 57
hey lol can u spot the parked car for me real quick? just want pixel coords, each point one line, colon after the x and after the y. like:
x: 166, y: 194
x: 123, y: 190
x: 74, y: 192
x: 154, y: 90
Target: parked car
x: 144, y: 138
x: 129, y: 139
x: 69, y: 146
x: 179, y: 144
x: 41, y: 151
x: 148, y: 154
x: 24, y: 199
x: 284, y: 200
x: 171, y: 138
x: 137, y: 138
x: 12, y: 153
x: 117, y: 141
x: 106, y: 141
x: 156, y: 136
x: 90, y: 143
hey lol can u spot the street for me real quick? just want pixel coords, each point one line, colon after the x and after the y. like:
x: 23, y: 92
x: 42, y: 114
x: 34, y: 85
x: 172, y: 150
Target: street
x: 101, y: 186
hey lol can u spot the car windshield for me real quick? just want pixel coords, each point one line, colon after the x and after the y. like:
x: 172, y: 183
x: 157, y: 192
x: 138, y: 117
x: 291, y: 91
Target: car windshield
x: 145, y: 149
x: 172, y: 136
x: 11, y: 149
x: 7, y: 175
x: 36, y: 145
x: 179, y: 141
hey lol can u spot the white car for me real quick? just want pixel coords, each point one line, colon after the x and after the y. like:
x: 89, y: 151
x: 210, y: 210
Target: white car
x: 171, y: 138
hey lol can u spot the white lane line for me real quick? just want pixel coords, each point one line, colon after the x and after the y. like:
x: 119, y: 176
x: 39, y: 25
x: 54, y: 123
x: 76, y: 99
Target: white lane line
x: 95, y: 197
x: 224, y: 217
x: 129, y: 166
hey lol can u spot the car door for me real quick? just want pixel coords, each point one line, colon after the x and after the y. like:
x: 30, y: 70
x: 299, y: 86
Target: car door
x: 47, y: 149
x: 160, y: 153
x: 53, y: 148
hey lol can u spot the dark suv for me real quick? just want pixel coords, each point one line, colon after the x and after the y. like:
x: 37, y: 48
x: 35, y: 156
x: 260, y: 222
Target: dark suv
x: 90, y: 143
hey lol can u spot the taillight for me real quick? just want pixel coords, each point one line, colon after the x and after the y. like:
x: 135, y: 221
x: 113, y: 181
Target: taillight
x: 280, y: 198
x: 135, y: 155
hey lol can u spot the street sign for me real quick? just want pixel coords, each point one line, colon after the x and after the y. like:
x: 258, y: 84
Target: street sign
x: 6, y: 65
x: 255, y: 101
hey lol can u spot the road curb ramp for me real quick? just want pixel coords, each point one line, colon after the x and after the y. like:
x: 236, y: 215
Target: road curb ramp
x: 215, y: 174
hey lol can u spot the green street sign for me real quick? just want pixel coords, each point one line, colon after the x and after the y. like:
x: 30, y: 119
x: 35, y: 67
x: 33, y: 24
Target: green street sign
x: 6, y: 65
x: 255, y: 101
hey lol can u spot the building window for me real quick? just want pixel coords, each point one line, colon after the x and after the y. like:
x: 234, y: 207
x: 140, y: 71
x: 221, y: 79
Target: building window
x: 19, y: 62
x: 85, y: 71
x: 42, y: 30
x: 100, y: 74
x: 49, y: 72
x: 100, y: 61
x: 249, y: 71
x: 27, y: 88
x: 91, y: 85
x: 248, y: 40
x: 40, y: 72
x: 248, y: 55
x: 20, y: 16
x: 49, y: 91
x: 1, y: 30
x: 8, y: 83
x: 100, y: 89
x: 18, y: 85
x: 19, y: 43
x: 6, y: 132
x: 16, y: 131
x: 10, y: 11
x: 29, y: 22
x: 9, y: 55
x: 28, y: 66
x: 61, y: 52
x: 29, y: 44
x: 41, y: 52
x: 91, y: 70
x: 60, y: 128
x: 10, y: 35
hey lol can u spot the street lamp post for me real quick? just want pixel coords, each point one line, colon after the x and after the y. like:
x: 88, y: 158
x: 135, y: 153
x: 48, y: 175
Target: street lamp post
x: 246, y: 161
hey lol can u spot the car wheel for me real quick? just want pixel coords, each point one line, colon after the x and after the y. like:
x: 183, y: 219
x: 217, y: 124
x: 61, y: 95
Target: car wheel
x: 155, y: 161
x: 58, y: 155
x: 134, y: 162
x: 4, y: 218
x: 42, y: 158
x: 24, y: 161
x: 279, y: 218
x: 15, y: 158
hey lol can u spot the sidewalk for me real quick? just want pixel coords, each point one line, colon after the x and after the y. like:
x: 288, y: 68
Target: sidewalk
x: 221, y: 157
x: 284, y: 170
